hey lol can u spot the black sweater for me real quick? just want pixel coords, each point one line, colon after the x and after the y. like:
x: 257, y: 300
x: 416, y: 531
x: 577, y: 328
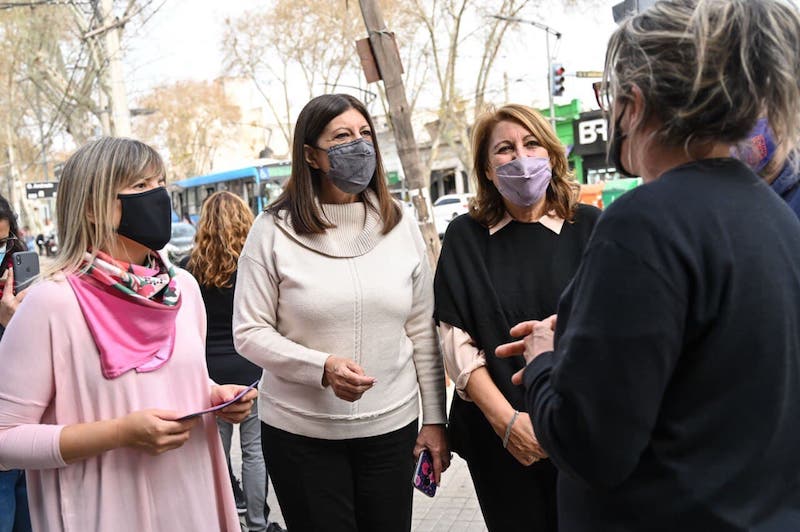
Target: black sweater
x: 672, y: 400
x: 225, y: 365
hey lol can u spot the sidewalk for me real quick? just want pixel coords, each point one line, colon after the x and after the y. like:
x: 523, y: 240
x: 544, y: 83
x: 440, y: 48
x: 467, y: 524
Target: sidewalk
x: 454, y: 508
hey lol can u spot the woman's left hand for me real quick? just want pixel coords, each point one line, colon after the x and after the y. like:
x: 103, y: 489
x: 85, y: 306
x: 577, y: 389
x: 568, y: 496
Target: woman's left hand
x: 238, y: 411
x: 538, y: 339
x: 434, y: 438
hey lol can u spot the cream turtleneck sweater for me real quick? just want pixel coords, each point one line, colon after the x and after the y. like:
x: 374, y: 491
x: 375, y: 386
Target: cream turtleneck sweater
x: 350, y: 292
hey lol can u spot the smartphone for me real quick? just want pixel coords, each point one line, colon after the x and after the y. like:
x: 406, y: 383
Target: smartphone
x: 424, y: 478
x: 26, y: 267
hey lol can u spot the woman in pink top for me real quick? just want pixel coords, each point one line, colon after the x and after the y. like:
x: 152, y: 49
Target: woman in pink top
x: 105, y: 355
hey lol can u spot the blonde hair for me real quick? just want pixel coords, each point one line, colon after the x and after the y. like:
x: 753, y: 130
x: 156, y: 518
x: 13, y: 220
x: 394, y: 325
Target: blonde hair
x: 221, y: 232
x: 708, y: 69
x: 487, y: 206
x: 87, y: 191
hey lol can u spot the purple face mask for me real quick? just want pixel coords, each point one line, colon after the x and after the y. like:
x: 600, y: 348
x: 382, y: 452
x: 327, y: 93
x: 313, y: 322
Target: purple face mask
x: 524, y: 181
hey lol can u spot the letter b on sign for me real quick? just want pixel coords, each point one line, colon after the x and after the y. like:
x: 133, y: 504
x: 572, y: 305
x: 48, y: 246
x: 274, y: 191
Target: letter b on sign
x: 589, y: 131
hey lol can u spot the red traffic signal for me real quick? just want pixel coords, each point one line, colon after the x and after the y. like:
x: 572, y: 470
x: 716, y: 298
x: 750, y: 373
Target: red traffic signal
x: 557, y: 79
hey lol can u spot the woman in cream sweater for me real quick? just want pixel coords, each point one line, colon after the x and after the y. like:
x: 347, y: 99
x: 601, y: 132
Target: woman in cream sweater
x: 334, y: 300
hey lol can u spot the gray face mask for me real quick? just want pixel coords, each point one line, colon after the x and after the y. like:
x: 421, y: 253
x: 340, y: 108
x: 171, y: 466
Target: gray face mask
x: 352, y: 165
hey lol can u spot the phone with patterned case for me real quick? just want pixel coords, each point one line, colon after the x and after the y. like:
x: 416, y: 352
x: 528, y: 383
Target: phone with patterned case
x: 424, y: 479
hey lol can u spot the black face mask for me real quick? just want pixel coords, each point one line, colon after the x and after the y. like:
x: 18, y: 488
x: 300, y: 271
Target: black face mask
x: 147, y: 218
x: 615, y: 147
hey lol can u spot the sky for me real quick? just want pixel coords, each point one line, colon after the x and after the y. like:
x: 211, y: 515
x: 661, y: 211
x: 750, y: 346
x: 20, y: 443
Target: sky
x: 182, y: 41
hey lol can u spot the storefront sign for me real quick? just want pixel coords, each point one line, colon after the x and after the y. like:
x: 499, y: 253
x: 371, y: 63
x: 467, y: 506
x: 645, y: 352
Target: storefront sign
x: 591, y: 133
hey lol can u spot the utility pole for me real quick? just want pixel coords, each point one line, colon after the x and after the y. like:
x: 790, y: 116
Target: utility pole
x: 547, y: 31
x: 120, y: 116
x: 388, y: 63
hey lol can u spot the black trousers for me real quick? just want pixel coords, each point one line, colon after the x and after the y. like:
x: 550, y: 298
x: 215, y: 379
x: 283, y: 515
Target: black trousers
x: 512, y: 497
x: 356, y: 485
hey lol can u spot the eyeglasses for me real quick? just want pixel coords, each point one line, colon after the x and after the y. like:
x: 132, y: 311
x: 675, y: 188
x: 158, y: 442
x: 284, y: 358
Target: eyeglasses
x: 8, y: 242
x: 602, y: 95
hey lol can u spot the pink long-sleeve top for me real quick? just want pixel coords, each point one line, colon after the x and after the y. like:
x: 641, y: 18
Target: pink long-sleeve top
x: 51, y: 378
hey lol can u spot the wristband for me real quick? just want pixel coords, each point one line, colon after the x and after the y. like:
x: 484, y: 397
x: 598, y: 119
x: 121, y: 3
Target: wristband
x: 508, y: 428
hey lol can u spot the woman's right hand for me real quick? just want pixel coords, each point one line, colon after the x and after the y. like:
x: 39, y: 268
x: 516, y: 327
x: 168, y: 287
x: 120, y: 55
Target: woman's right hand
x: 522, y: 443
x: 9, y: 302
x: 154, y: 431
x: 346, y: 378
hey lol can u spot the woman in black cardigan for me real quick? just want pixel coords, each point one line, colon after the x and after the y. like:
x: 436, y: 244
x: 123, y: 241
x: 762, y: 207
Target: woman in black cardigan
x: 506, y: 261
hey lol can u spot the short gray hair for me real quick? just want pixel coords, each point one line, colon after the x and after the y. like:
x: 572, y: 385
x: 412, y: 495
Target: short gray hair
x: 708, y: 69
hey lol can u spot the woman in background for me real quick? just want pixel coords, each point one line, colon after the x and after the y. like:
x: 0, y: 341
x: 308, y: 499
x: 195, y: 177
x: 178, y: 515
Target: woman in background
x: 221, y: 231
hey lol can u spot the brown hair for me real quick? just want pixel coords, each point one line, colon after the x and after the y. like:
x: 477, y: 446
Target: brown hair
x: 708, y: 69
x: 299, y: 198
x: 221, y: 231
x: 562, y: 193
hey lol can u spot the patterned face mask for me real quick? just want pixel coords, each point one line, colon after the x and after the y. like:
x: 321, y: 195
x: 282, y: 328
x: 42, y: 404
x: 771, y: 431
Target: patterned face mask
x: 758, y: 149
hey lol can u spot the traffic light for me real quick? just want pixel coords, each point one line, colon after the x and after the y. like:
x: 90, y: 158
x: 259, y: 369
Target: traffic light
x: 557, y: 79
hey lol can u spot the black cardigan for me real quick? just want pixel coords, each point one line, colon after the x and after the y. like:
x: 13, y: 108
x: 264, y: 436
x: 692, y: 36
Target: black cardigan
x: 485, y: 284
x: 672, y: 401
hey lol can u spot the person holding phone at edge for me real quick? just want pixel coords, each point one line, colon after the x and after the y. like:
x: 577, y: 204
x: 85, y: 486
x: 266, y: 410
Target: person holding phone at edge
x: 222, y: 229
x: 9, y: 244
x: 105, y: 354
x: 14, y: 515
x: 334, y: 300
x: 669, y: 393
x: 507, y: 261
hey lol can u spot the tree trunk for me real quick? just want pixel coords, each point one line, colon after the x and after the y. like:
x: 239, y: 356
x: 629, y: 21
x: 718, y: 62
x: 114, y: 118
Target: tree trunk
x: 388, y: 65
x: 120, y: 114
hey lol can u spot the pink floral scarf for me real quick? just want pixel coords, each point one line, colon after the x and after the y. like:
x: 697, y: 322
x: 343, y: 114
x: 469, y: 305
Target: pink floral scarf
x: 130, y: 311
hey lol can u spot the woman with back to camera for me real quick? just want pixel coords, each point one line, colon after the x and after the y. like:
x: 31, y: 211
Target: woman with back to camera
x: 103, y: 357
x: 222, y: 229
x: 670, y: 396
x: 507, y: 261
x: 334, y: 300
